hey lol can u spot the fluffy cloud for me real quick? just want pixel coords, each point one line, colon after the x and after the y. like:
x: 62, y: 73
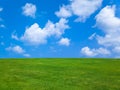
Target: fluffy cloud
x: 29, y: 10
x: 64, y: 12
x: 107, y: 21
x: 35, y: 35
x: 86, y: 51
x: 94, y: 52
x: 64, y: 41
x: 110, y: 25
x: 17, y: 49
x: 83, y: 9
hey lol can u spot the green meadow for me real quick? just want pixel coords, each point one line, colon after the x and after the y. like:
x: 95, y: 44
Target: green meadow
x: 59, y: 74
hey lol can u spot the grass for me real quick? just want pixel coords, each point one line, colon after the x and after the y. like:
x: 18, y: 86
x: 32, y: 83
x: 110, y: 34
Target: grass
x: 60, y: 74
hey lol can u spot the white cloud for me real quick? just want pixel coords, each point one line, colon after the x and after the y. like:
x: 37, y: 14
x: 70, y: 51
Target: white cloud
x: 86, y: 51
x: 16, y: 49
x: 94, y: 52
x: 92, y: 36
x: 116, y: 49
x: 109, y: 40
x: 14, y: 36
x: 81, y: 8
x: 29, y: 10
x: 64, y: 41
x: 107, y: 21
x: 64, y: 12
x: 19, y: 50
x: 102, y: 51
x: 110, y: 25
x: 35, y: 35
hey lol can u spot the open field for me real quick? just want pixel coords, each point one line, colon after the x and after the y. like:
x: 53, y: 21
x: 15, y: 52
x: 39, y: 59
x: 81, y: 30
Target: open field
x: 60, y: 74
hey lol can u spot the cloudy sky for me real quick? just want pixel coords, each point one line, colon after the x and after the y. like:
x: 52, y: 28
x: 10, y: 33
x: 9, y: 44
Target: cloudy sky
x: 59, y: 28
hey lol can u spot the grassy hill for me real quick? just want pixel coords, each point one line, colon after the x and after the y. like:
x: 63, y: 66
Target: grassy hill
x: 59, y: 74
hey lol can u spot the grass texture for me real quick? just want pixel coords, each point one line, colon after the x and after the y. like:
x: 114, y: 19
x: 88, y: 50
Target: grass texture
x: 59, y: 74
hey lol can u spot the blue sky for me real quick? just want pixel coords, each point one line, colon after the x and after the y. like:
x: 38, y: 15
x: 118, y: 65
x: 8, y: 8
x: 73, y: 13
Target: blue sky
x: 59, y: 28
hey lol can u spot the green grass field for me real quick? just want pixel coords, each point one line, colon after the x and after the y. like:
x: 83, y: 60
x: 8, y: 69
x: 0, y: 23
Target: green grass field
x: 60, y: 74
